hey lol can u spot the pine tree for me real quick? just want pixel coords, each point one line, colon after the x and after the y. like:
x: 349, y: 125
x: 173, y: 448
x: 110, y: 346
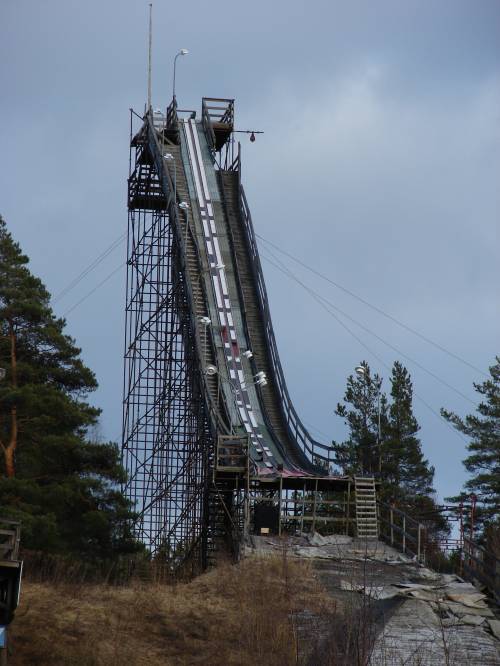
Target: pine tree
x: 61, y: 485
x: 360, y: 452
x: 406, y: 473
x: 383, y: 441
x: 483, y: 429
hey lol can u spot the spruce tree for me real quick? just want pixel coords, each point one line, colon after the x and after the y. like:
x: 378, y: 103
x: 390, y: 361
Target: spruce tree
x: 394, y: 454
x: 59, y: 483
x: 483, y: 463
x: 406, y: 473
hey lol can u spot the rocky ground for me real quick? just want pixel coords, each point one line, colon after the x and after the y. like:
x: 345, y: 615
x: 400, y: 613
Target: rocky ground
x: 400, y: 611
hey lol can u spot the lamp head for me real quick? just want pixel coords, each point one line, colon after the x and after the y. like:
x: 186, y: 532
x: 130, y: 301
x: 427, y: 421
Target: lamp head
x: 183, y: 52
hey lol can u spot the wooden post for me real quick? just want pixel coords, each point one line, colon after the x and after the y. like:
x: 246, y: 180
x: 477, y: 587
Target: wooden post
x: 404, y: 533
x: 303, y: 508
x: 418, y: 542
x: 279, y: 505
x: 348, y: 508
x: 314, y: 506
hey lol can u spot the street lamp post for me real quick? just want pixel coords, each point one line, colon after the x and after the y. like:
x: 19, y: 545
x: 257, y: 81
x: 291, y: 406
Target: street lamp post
x: 379, y: 438
x: 182, y: 52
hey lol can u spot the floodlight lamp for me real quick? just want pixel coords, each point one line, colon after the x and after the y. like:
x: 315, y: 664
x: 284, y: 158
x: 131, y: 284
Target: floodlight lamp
x: 260, y: 375
x: 248, y: 354
x: 206, y: 321
x: 183, y: 52
x: 183, y: 205
x: 157, y: 112
x: 168, y: 156
x: 261, y: 382
x: 220, y: 266
x: 210, y: 370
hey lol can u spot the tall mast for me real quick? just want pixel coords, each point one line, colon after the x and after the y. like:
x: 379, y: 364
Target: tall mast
x: 149, y: 53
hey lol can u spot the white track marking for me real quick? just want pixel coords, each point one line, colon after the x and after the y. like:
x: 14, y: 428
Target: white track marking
x: 219, y: 281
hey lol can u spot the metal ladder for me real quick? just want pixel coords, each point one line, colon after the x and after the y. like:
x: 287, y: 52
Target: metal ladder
x: 366, y: 507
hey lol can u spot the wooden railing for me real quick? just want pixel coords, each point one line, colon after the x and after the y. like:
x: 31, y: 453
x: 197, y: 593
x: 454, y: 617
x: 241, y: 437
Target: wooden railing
x: 217, y: 114
x: 232, y: 454
x: 10, y: 536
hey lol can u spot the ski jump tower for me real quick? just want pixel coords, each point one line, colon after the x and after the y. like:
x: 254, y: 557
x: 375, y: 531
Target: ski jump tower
x: 211, y: 441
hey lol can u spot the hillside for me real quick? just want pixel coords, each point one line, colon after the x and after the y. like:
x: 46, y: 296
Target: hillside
x: 239, y: 615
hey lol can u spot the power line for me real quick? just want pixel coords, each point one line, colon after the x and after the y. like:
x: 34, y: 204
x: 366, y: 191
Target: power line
x: 98, y: 260
x: 311, y: 426
x: 92, y: 291
x: 374, y: 307
x: 317, y: 296
x: 320, y: 300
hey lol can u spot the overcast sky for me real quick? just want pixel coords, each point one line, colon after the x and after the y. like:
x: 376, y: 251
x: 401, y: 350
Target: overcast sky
x: 379, y: 167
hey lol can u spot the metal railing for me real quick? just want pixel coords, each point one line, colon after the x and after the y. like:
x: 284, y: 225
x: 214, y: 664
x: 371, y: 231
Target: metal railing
x: 401, y: 531
x: 479, y: 564
x: 297, y: 431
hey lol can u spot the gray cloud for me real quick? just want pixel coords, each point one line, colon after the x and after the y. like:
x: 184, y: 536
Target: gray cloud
x: 379, y: 166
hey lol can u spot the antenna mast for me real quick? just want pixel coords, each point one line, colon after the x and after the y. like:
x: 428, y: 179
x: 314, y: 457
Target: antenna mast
x: 149, y: 53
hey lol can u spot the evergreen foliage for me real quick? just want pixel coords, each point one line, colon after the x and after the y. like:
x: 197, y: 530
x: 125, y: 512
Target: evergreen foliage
x: 483, y: 462
x: 359, y: 453
x: 395, y: 454
x: 405, y: 470
x: 59, y: 483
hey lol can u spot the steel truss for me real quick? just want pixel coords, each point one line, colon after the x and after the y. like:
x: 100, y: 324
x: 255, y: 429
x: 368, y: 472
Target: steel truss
x: 167, y: 444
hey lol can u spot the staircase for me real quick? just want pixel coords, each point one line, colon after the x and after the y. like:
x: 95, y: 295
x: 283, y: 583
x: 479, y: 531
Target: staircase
x: 194, y: 270
x: 366, y: 507
x: 221, y: 528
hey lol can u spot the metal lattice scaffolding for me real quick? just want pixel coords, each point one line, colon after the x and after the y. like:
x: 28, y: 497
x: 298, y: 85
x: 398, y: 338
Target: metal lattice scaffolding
x: 166, y: 442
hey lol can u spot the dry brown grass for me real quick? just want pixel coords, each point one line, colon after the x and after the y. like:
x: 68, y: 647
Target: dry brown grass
x: 235, y: 615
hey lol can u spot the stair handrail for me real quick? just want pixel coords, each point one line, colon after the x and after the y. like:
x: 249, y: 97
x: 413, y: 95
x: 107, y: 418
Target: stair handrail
x: 217, y: 423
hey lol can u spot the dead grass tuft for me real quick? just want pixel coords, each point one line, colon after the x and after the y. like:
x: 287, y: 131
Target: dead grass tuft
x: 235, y: 615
